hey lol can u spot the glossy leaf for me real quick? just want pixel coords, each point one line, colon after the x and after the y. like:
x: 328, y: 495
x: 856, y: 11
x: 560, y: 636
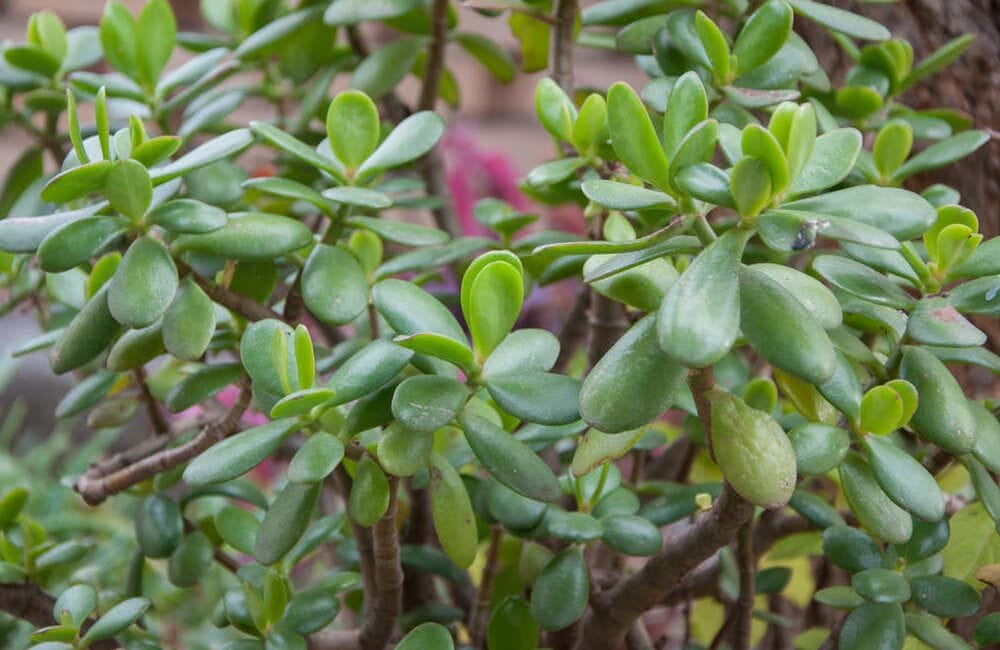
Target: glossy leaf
x: 861, y: 281
x: 412, y: 310
x: 239, y: 453
x: 427, y: 636
x: 942, y: 415
x: 428, y: 402
x: 832, y: 159
x: 750, y: 185
x: 189, y: 322
x: 187, y: 216
x: 158, y: 526
x: 841, y: 20
x: 941, y: 153
x: 352, y: 126
x: 542, y: 397
x: 454, y: 520
x: 285, y: 522
x: 252, y: 236
x: 372, y: 367
x: 334, y: 287
x: 75, y: 242
x: 369, y: 497
x: 116, y: 619
x: 905, y: 480
x: 818, y: 447
x: 86, y: 337
x: 874, y: 626
x: 560, y: 592
x: 144, y: 284
x: 633, y: 136
x: 934, y: 321
x: 874, y: 509
x: 763, y: 34
x: 901, y: 213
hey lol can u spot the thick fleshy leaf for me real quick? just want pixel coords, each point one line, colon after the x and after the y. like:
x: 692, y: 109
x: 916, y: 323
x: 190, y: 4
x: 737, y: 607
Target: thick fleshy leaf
x: 832, y: 159
x: 265, y: 39
x: 370, y: 368
x: 851, y: 549
x: 813, y: 295
x: 633, y: 136
x: 189, y: 322
x: 301, y: 402
x: 818, y: 447
x: 201, y: 385
x: 352, y: 127
x: 238, y: 454
x: 761, y: 143
x: 412, y: 310
x: 750, y: 185
x: 942, y: 414
x: 622, y: 196
x: 400, y: 232
x: 158, y: 526
x: 874, y: 509
x: 24, y: 234
x: 77, y: 241
x: 495, y: 295
x: 249, y: 236
x: 188, y: 216
x: 841, y: 20
x: 687, y: 106
x: 935, y: 321
x: 559, y: 595
x: 190, y: 560
x: 523, y: 350
x: 542, y: 397
x: 512, y: 625
x: 509, y: 460
x: 116, y: 620
x: 905, y: 480
x: 129, y: 189
x: 334, y: 287
x: 155, y: 31
x: 289, y: 144
x: 216, y: 149
x: 86, y: 337
x: 699, y: 319
x: 490, y: 54
x: 636, y: 372
x: 873, y: 626
x: 881, y: 586
x: 360, y: 197
x: 427, y: 636
x: 285, y: 522
x: 428, y: 402
x: 792, y: 231
x: 381, y: 70
x: 403, y: 451
x: 369, y: 499
x: 237, y: 527
x: 85, y: 394
x: 143, y: 285
x: 77, y: 182
x: 440, y: 347
x: 861, y: 281
x: 314, y: 461
x: 796, y: 342
x: 631, y: 535
x: 412, y: 138
x: 555, y: 109
x: 944, y: 596
x: 762, y: 35
x: 941, y: 153
x: 903, y: 214
x: 705, y: 182
x: 454, y: 519
x: 77, y: 602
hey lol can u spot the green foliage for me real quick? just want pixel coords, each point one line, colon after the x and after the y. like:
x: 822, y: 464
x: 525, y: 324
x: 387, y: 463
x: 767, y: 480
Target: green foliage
x: 385, y: 388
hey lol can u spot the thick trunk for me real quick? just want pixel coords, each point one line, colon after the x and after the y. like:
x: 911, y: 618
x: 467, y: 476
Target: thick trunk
x: 971, y: 85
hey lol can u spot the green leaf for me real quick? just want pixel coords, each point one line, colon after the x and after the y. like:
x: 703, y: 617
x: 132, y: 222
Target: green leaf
x: 158, y: 526
x: 813, y: 295
x: 905, y: 480
x: 270, y: 36
x: 987, y: 446
x: 859, y: 280
x: 489, y: 53
x: 454, y: 519
x: 938, y: 60
x: 189, y: 562
x: 78, y: 602
x: 542, y: 397
x: 699, y: 319
x: 559, y: 595
x: 411, y: 139
x: 239, y: 453
x: 495, y: 296
x: 358, y: 196
x: 155, y: 31
x: 381, y: 70
x: 369, y: 499
x: 33, y: 59
x: 534, y: 36
x: 187, y: 216
x: 523, y: 350
x: 314, y: 461
x: 300, y: 402
x: 796, y: 342
x: 972, y: 543
x: 427, y: 636
x: 687, y: 107
x: 86, y: 337
x: 403, y: 451
x: 237, y: 527
x: 573, y: 527
x: 512, y: 626
x: 117, y: 619
x: 428, y: 402
x: 881, y: 586
x: 942, y: 415
x: 874, y: 509
x: 941, y: 153
x: 881, y: 411
x: 763, y: 34
x: 987, y: 630
x: 129, y: 189
x: 76, y: 241
x: 631, y: 535
x: 716, y: 48
x: 935, y: 321
x: 509, y: 460
x: 411, y: 310
x: 750, y: 185
x: 761, y: 143
x: 634, y: 371
x: 851, y: 549
x: 372, y: 367
x: 944, y: 596
x: 839, y: 20
x: 752, y: 451
x: 832, y: 159
x: 23, y: 174
x: 590, y: 128
x: 201, y: 385
x: 77, y: 182
x: 252, y: 236
x: 511, y: 509
x: 350, y: 12
x: 334, y: 287
x: 596, y: 448
x: 874, y: 626
x: 400, y: 232
x: 143, y: 285
x: 82, y: 396
x: 439, y: 346
x: 634, y: 138
x: 352, y: 127
x: 189, y: 322
x: 117, y: 31
x: 696, y: 147
x: 214, y: 150
x: 839, y: 597
x: 285, y: 522
x: 819, y: 448
x: 299, y: 149
x: 892, y: 146
x: 622, y: 196
x: 705, y: 182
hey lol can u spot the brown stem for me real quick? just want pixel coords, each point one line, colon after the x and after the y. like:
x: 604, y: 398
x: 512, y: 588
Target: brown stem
x: 418, y: 585
x: 160, y: 426
x: 744, y: 605
x: 574, y: 329
x: 561, y: 62
x: 607, y: 317
x: 435, y: 55
x: 27, y: 601
x: 387, y: 600
x: 614, y: 611
x: 95, y: 490
x: 477, y: 623
x: 295, y: 305
x: 247, y: 307
x: 147, y: 447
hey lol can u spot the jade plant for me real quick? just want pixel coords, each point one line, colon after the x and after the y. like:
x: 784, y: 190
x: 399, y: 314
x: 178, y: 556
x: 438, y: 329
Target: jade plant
x: 750, y: 431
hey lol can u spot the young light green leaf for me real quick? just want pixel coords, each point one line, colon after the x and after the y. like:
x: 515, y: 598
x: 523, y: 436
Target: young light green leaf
x: 411, y: 139
x: 155, y: 31
x: 352, y: 127
x: 634, y: 138
x: 764, y: 33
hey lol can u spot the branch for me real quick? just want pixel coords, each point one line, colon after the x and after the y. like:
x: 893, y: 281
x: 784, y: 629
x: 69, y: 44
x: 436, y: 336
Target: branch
x: 744, y: 605
x: 613, y: 612
x: 160, y: 426
x: 477, y: 624
x: 95, y: 489
x: 27, y: 601
x: 247, y: 307
x: 561, y: 63
x: 573, y: 330
x: 435, y: 55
